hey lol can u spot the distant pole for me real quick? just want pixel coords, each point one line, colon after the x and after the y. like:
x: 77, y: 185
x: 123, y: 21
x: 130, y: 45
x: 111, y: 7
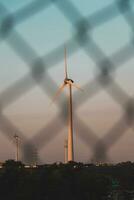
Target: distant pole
x: 17, y: 147
x: 66, y: 151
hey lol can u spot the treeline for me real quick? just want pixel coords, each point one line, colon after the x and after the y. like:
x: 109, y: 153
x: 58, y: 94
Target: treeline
x: 72, y: 181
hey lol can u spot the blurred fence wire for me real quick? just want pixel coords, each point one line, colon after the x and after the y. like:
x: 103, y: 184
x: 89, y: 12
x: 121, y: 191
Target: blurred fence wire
x: 81, y: 39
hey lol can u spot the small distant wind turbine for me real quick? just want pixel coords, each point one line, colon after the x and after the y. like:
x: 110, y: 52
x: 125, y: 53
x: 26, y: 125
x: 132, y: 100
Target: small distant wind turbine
x: 70, y: 83
x: 17, y: 146
x: 66, y: 151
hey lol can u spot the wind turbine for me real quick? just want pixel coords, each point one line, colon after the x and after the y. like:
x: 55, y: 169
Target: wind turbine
x: 69, y: 83
x: 17, y: 146
x: 65, y: 151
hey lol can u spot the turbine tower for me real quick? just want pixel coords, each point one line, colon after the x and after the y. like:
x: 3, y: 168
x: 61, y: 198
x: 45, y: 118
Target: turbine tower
x: 69, y: 83
x: 17, y: 147
x: 66, y: 151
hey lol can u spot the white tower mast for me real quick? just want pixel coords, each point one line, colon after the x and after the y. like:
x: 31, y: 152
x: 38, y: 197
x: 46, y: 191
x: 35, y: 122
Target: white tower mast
x: 66, y: 151
x: 17, y: 147
x: 70, y: 127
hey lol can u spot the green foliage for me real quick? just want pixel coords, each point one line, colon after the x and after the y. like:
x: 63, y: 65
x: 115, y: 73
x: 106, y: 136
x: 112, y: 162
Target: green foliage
x: 11, y: 164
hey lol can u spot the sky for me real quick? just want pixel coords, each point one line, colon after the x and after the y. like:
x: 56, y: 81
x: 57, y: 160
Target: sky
x: 45, y: 31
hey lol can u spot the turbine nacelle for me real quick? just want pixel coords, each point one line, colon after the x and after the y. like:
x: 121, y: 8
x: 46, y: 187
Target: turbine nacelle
x: 68, y: 81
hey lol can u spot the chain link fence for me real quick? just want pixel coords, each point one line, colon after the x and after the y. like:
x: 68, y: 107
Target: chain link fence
x: 81, y: 38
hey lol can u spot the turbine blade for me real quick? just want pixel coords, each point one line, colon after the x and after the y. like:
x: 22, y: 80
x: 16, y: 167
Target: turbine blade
x: 58, y: 93
x: 65, y: 55
x: 77, y: 86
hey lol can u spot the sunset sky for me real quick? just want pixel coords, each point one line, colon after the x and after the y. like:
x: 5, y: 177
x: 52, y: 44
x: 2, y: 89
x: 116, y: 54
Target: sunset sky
x: 45, y: 31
